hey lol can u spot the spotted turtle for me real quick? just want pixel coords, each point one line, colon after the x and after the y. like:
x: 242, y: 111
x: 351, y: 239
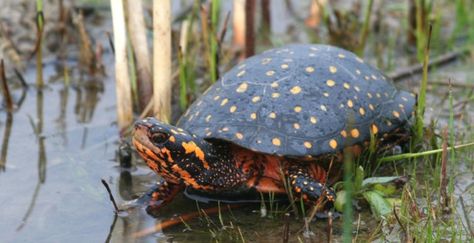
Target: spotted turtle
x: 270, y: 120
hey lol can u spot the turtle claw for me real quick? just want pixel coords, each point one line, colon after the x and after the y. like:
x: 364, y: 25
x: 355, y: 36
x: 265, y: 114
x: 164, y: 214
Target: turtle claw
x: 159, y: 195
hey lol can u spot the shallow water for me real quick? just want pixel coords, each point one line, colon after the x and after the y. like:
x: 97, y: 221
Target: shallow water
x: 63, y: 140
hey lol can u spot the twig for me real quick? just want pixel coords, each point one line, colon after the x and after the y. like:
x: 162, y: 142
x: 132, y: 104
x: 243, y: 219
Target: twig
x: 223, y: 30
x: 400, y: 223
x: 5, y: 89
x: 444, y: 201
x: 330, y: 228
x: 111, y: 41
x: 111, y: 197
x: 463, y: 206
x: 425, y: 153
x: 403, y: 73
x: 286, y: 228
x: 249, y: 28
x: 455, y: 85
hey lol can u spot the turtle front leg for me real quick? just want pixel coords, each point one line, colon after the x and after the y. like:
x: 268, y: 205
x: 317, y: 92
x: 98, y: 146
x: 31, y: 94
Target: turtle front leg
x: 308, y: 183
x: 160, y: 195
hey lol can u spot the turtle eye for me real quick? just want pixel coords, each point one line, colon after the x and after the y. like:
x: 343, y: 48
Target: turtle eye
x: 159, y: 137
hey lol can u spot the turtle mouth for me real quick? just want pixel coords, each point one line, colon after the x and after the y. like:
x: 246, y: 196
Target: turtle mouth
x: 141, y: 139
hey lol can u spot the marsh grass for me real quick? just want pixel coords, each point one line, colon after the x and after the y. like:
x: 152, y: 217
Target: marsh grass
x: 417, y: 207
x: 39, y: 43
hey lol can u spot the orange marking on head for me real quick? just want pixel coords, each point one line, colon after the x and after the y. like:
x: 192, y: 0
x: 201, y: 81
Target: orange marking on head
x: 191, y: 147
x: 172, y: 139
x: 168, y: 153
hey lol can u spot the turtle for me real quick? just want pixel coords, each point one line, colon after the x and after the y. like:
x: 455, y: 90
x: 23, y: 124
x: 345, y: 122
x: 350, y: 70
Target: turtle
x: 271, y: 121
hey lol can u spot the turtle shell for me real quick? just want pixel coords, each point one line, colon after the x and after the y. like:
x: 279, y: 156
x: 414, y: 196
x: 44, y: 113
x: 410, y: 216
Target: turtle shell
x: 299, y: 100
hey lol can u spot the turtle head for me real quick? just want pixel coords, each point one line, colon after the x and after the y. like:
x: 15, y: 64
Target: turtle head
x: 170, y: 151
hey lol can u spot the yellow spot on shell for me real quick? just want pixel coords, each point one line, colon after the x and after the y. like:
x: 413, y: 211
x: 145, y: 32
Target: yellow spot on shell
x: 313, y: 120
x: 366, y: 77
x: 296, y: 126
x: 284, y: 66
x: 172, y: 139
x: 344, y: 133
x: 355, y: 133
x: 396, y: 114
x: 272, y: 115
x: 275, y: 95
x: 270, y: 73
x: 309, y: 69
x: 401, y: 106
x: 350, y: 103
x: 224, y: 101
x: 253, y: 116
x: 358, y: 71
x: 216, y: 97
x: 326, y: 94
x: 369, y: 95
x: 308, y: 145
x: 378, y: 95
x: 362, y: 111
x: 373, y: 77
x: 239, y: 135
x: 323, y: 108
x: 347, y: 86
x: 208, y: 118
x: 297, y: 108
x: 241, y: 73
x: 233, y: 108
x: 374, y: 129
x: 332, y: 69
x: 371, y: 107
x: 341, y: 56
x: 295, y: 90
x: 357, y: 88
x: 225, y: 129
x: 333, y: 144
x: 359, y: 60
x: 274, y: 85
x: 242, y: 87
x: 330, y: 83
x: 276, y: 141
x: 256, y: 99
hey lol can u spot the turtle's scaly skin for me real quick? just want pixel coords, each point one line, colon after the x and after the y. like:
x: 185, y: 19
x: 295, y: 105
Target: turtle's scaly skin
x: 275, y: 113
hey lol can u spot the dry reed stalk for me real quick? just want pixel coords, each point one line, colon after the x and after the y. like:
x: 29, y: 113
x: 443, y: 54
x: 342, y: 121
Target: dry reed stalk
x: 5, y: 88
x: 137, y: 29
x: 266, y: 21
x: 315, y: 13
x: 162, y: 59
x: 86, y: 56
x: 249, y: 28
x: 123, y: 89
x: 238, y: 23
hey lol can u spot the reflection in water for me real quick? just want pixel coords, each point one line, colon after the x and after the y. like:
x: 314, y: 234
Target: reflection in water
x: 6, y: 138
x: 61, y: 120
x: 111, y: 230
x: 87, y: 96
x: 38, y: 129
